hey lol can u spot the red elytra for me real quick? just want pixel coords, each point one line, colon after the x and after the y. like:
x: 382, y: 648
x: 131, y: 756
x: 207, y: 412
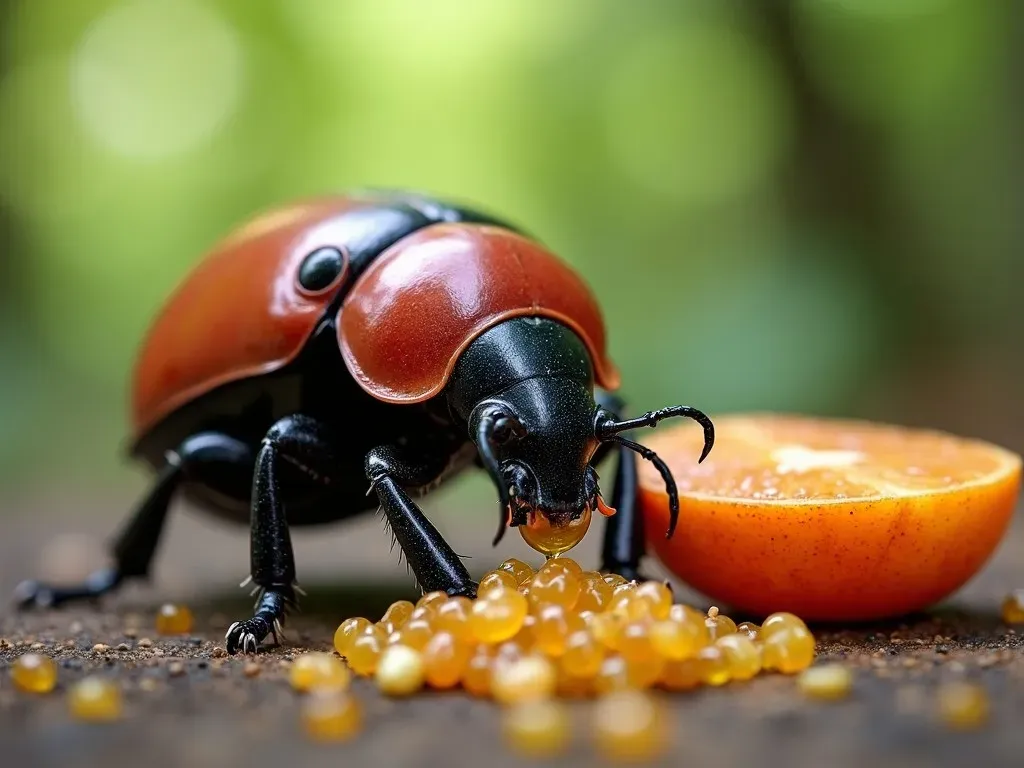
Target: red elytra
x: 421, y: 302
x: 240, y: 313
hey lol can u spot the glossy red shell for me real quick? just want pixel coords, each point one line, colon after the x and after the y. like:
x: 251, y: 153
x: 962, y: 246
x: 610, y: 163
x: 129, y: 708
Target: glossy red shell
x: 239, y: 313
x: 412, y: 312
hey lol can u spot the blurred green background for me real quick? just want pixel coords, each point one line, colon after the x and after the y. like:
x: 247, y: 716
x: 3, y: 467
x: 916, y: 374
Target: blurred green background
x: 810, y: 206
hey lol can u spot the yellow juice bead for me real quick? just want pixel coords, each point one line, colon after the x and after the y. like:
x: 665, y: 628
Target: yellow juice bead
x: 95, y: 699
x: 347, y: 631
x: 174, y: 620
x: 496, y: 580
x: 750, y: 629
x: 614, y: 580
x: 778, y: 622
x: 611, y: 676
x: 537, y: 729
x: 788, y: 650
x: 364, y: 651
x: 431, y: 599
x: 630, y: 726
x: 453, y: 617
x: 525, y: 638
x: 476, y: 677
x: 583, y: 655
x: 530, y: 678
x: 644, y: 672
x: 553, y: 540
x: 398, y: 613
x: 682, y: 675
x: 34, y: 673
x: 555, y: 586
x: 426, y: 613
x: 415, y: 634
x: 719, y: 625
x: 1013, y: 607
x: 520, y: 570
x: 607, y: 629
x: 318, y: 670
x: 498, y: 616
x: 658, y: 596
x: 743, y: 657
x: 329, y: 715
x: 962, y: 705
x: 552, y: 627
x: 829, y: 682
x: 635, y: 641
x: 510, y: 650
x: 573, y: 687
x: 562, y: 565
x: 676, y: 640
x: 444, y: 660
x: 400, y: 671
x: 714, y: 667
x: 595, y: 594
x: 686, y: 613
x: 627, y: 606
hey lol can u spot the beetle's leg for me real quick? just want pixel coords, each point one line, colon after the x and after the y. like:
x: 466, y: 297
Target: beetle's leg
x: 295, y: 442
x: 624, y: 543
x: 136, y: 544
x: 433, y: 561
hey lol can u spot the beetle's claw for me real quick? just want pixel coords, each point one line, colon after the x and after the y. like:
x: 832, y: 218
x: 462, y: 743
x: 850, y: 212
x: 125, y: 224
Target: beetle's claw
x: 245, y: 636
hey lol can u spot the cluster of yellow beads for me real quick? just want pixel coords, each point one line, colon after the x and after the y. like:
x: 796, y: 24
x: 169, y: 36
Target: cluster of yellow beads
x: 532, y: 637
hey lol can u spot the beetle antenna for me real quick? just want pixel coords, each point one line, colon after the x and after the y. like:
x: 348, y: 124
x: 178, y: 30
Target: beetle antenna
x: 484, y: 442
x: 608, y: 428
x: 666, y: 475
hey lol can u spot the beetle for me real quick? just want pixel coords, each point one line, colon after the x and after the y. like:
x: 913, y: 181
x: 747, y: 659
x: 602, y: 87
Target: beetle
x: 379, y: 337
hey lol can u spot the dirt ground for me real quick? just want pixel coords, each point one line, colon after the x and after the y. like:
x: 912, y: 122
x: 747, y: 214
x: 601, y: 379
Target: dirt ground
x: 189, y: 704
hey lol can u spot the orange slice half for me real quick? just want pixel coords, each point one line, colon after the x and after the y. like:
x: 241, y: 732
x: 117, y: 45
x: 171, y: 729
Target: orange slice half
x: 828, y: 519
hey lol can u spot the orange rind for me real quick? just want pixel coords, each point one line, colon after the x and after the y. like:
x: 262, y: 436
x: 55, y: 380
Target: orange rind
x: 829, y: 519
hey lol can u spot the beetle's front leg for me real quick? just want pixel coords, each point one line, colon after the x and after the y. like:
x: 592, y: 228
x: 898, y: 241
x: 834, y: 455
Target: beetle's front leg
x: 433, y: 561
x: 624, y: 539
x: 296, y: 442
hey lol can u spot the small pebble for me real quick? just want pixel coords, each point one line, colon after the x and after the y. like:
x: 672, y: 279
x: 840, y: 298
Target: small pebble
x: 175, y: 669
x: 145, y: 643
x: 100, y: 648
x: 37, y: 646
x: 218, y: 652
x: 123, y: 647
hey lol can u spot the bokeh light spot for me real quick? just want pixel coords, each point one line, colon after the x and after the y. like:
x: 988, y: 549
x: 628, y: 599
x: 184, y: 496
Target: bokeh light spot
x: 152, y: 79
x: 699, y: 114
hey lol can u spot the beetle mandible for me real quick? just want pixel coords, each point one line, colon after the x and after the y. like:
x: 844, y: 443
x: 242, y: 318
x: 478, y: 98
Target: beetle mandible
x: 383, y: 339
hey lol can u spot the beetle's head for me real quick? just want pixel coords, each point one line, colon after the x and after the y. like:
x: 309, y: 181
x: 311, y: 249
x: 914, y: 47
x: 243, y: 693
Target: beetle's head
x: 536, y: 440
x: 525, y: 389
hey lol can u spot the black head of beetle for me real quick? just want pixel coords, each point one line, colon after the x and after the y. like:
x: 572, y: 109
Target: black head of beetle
x: 525, y: 391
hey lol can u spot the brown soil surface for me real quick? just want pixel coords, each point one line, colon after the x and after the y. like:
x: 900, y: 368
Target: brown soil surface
x: 187, y: 704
